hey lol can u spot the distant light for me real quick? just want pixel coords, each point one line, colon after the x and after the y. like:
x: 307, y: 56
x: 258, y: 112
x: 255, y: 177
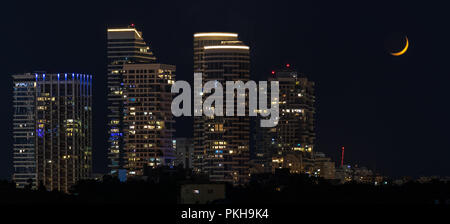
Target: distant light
x: 227, y: 47
x: 273, y: 72
x: 125, y: 30
x: 288, y: 65
x: 132, y: 24
x: 215, y: 35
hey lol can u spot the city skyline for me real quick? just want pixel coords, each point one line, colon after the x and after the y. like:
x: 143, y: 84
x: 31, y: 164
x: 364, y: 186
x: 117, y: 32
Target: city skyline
x: 345, y: 119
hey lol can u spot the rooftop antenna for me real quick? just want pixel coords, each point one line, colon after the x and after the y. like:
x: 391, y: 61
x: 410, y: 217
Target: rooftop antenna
x: 342, y: 157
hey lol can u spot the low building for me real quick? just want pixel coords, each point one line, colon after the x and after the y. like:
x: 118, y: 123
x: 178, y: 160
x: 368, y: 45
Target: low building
x: 201, y: 193
x: 319, y: 165
x: 348, y: 173
x: 324, y: 167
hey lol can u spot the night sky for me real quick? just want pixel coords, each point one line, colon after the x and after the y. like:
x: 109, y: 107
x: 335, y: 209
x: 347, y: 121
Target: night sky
x: 390, y: 113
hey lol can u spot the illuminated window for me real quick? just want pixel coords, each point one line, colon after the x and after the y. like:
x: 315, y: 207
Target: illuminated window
x: 218, y: 128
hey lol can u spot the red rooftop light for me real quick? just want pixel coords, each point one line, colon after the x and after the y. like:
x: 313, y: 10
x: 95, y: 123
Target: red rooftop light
x: 273, y: 72
x: 288, y: 65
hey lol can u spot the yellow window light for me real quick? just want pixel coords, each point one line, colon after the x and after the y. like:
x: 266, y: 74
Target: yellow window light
x: 215, y: 35
x: 125, y: 30
x: 227, y: 47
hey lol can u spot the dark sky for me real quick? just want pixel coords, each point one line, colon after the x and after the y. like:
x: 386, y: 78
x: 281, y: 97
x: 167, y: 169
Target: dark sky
x: 391, y: 113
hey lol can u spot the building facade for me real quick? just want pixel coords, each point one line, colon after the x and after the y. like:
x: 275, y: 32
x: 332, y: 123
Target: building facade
x: 200, y: 41
x: 323, y: 166
x: 201, y: 193
x: 185, y: 152
x: 221, y: 143
x: 24, y: 130
x: 290, y: 144
x: 125, y: 46
x: 52, y: 128
x: 348, y: 173
x: 148, y: 123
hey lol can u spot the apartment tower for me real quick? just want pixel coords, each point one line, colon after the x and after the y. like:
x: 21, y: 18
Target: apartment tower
x: 125, y: 46
x: 221, y: 144
x: 290, y: 144
x: 148, y: 123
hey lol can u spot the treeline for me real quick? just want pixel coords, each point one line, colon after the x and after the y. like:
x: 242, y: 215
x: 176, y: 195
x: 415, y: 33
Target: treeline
x: 163, y: 187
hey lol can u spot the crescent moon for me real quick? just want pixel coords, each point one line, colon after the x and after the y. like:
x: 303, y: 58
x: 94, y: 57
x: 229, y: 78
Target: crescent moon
x: 404, y: 49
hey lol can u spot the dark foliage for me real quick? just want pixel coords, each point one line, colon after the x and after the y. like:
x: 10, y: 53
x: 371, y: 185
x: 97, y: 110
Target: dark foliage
x: 162, y: 187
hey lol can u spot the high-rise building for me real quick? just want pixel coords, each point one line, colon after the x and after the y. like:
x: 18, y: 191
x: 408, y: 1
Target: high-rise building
x: 200, y: 41
x: 221, y: 144
x: 185, y: 152
x: 52, y: 129
x: 24, y: 130
x: 290, y: 144
x: 125, y: 46
x: 148, y: 123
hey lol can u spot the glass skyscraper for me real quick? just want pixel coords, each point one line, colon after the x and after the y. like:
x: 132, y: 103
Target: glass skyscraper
x: 52, y: 129
x: 24, y: 130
